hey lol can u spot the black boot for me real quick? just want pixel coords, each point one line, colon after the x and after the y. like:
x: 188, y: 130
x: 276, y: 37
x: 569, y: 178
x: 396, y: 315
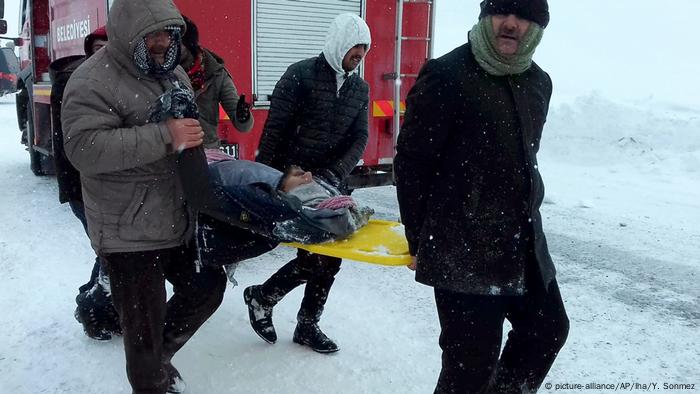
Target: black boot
x: 260, y: 314
x: 96, y: 313
x: 311, y: 335
x: 176, y: 385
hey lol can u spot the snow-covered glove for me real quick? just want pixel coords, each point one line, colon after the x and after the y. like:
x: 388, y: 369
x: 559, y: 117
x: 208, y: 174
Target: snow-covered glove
x: 242, y: 110
x: 176, y: 102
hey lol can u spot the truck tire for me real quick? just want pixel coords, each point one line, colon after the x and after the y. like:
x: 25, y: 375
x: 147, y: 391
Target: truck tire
x: 38, y: 163
x: 35, y: 159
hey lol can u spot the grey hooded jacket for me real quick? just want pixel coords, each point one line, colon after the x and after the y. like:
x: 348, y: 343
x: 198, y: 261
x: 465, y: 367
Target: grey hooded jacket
x: 133, y: 198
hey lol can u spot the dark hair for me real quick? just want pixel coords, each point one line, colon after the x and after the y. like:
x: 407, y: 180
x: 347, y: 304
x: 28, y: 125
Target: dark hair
x: 289, y: 171
x: 191, y: 37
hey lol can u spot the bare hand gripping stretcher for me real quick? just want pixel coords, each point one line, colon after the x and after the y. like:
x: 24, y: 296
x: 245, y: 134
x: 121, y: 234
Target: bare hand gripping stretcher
x: 248, y: 215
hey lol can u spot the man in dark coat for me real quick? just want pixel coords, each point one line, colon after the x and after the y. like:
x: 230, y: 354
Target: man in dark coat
x: 469, y: 193
x: 94, y: 303
x: 317, y: 121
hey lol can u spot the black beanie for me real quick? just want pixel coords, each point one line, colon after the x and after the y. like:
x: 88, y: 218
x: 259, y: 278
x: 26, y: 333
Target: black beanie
x: 533, y: 10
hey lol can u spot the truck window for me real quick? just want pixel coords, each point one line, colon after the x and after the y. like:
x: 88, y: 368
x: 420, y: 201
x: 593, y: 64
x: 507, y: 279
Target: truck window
x: 24, y: 13
x: 8, y: 61
x: 286, y: 31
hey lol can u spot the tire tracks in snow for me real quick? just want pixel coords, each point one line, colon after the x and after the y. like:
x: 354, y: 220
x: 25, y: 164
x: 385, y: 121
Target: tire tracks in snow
x: 638, y: 281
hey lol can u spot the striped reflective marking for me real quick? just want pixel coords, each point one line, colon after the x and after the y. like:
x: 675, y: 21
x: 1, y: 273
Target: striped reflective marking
x: 42, y: 90
x: 385, y: 108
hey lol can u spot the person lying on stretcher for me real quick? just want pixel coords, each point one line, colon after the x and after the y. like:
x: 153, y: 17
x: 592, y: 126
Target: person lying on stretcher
x: 253, y: 207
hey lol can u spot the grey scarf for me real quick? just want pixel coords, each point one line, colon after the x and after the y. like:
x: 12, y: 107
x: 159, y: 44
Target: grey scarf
x: 310, y: 194
x: 482, y: 39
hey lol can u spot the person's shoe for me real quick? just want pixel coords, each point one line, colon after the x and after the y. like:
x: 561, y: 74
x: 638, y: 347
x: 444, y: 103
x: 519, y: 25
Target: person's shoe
x: 91, y: 327
x: 96, y: 313
x: 176, y: 385
x: 260, y: 315
x: 311, y: 335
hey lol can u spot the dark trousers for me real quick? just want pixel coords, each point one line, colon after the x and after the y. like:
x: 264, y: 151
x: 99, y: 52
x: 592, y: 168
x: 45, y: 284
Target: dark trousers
x: 471, y: 337
x: 317, y: 271
x: 154, y: 330
x: 78, y: 209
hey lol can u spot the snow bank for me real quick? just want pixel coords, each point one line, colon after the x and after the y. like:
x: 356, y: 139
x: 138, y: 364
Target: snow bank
x: 594, y: 131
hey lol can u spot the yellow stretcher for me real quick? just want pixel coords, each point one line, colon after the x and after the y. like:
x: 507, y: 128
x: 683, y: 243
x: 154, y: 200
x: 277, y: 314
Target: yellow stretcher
x: 379, y: 242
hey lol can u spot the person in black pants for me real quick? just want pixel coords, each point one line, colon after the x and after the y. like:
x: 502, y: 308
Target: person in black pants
x: 471, y: 336
x: 317, y: 121
x: 469, y: 193
x: 94, y: 308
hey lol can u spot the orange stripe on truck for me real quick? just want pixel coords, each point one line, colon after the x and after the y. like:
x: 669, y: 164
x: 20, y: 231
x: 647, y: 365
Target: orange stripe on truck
x: 222, y: 114
x: 42, y: 90
x: 385, y: 108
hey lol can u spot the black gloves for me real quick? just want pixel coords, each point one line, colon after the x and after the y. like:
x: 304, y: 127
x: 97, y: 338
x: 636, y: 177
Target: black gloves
x: 242, y: 110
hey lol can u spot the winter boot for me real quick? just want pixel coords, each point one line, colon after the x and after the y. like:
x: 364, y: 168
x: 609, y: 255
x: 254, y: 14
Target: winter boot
x: 260, y: 314
x: 176, y: 384
x: 97, y: 314
x: 309, y: 334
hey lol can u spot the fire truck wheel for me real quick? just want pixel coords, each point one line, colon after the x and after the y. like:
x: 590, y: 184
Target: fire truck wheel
x: 35, y: 158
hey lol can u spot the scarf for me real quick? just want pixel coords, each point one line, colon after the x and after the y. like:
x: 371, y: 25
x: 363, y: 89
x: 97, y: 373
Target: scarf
x: 145, y: 63
x: 196, y: 73
x: 483, y: 41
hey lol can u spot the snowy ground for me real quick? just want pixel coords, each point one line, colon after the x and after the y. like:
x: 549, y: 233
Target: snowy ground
x: 621, y: 214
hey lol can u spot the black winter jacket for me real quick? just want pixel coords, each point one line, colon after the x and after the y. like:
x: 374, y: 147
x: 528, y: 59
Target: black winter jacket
x: 69, y: 187
x: 311, y: 124
x: 467, y: 179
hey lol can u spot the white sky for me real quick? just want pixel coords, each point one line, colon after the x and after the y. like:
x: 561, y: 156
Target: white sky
x: 625, y: 49
x: 630, y: 50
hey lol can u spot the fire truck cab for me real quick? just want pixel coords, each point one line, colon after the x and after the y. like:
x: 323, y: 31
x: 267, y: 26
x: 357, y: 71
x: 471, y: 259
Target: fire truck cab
x: 258, y: 40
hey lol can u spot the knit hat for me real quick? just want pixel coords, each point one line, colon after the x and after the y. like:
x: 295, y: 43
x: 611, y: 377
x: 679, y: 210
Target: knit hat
x: 533, y: 10
x: 99, y: 34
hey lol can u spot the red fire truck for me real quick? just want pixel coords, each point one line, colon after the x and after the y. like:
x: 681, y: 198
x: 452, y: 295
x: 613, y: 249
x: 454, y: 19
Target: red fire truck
x: 258, y: 40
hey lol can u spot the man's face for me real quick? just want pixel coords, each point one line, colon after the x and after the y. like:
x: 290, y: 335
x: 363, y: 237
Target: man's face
x: 353, y: 58
x: 97, y: 45
x: 509, y: 30
x: 296, y: 178
x: 158, y: 43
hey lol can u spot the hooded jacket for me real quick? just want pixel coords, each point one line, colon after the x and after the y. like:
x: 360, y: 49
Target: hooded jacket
x: 218, y: 88
x: 312, y: 123
x: 346, y: 31
x: 132, y: 195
